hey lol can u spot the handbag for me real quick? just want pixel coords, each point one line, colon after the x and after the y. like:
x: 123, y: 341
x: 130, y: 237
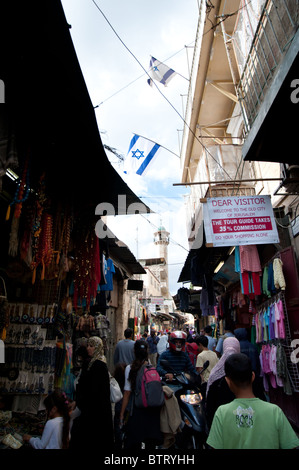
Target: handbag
x: 115, y: 391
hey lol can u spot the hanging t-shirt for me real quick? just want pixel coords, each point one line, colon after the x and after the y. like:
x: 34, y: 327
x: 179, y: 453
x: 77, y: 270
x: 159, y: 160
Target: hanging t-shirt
x: 272, y: 321
x: 249, y: 259
x: 251, y: 423
x: 280, y: 320
x: 183, y: 296
x: 109, y: 270
x: 266, y: 324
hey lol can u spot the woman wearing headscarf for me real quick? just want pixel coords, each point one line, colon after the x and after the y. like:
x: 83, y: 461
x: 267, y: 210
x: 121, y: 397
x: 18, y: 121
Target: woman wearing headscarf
x: 143, y: 424
x: 93, y: 429
x: 218, y: 392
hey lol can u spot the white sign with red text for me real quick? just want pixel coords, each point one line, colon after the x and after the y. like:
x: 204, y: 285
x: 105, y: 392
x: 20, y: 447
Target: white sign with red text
x: 239, y: 220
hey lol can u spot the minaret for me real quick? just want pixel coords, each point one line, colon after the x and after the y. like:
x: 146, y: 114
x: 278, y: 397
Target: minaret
x: 161, y: 238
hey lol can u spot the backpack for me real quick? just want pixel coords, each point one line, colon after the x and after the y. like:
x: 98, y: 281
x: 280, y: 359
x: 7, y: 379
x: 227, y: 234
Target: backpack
x: 148, y: 391
x: 192, y: 351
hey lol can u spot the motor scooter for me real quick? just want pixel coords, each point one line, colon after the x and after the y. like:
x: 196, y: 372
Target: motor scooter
x: 187, y: 391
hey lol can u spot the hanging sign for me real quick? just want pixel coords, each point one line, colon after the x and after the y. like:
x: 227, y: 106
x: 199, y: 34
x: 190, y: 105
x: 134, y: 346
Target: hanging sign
x: 157, y: 300
x: 239, y: 220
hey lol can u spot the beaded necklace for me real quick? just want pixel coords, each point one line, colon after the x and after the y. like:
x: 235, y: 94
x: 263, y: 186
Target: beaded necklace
x: 87, y: 270
x: 36, y: 227
x: 19, y: 196
x: 45, y: 248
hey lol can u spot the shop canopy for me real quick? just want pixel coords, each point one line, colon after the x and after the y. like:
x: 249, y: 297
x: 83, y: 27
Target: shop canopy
x: 49, y: 107
x: 208, y: 257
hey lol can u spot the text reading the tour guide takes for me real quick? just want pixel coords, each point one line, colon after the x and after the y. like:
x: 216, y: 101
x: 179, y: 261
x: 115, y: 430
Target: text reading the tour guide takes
x: 231, y: 221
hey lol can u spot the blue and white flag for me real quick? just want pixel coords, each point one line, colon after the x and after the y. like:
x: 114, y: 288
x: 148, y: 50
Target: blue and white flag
x: 160, y: 72
x: 140, y: 154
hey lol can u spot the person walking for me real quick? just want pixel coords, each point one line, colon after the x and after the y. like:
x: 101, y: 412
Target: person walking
x: 152, y: 342
x: 228, y: 333
x: 205, y: 354
x: 142, y: 424
x: 218, y: 392
x: 95, y: 424
x: 212, y: 341
x: 56, y: 431
x: 246, y: 347
x: 162, y: 344
x: 124, y: 351
x: 248, y: 422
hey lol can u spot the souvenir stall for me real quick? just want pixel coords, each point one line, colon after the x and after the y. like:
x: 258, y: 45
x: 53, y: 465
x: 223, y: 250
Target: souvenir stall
x: 257, y: 288
x: 56, y: 284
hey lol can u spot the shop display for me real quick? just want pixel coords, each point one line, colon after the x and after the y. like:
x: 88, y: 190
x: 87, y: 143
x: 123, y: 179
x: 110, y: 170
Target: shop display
x: 257, y: 302
x: 60, y: 294
x: 247, y: 263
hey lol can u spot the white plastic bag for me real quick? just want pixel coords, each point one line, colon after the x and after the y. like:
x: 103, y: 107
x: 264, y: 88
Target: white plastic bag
x: 115, y: 391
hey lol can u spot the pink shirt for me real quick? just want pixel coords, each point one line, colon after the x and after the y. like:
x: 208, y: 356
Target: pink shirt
x: 280, y: 320
x: 249, y: 259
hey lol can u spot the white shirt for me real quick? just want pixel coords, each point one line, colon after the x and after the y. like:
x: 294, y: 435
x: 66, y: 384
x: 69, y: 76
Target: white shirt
x: 162, y: 345
x: 127, y: 385
x: 51, y: 437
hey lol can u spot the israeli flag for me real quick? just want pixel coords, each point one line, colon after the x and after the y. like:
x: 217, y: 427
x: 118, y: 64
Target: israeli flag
x: 160, y: 72
x: 140, y: 154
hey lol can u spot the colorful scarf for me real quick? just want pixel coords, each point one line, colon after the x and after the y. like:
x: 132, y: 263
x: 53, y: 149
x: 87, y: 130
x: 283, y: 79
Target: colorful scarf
x: 231, y: 346
x: 98, y: 354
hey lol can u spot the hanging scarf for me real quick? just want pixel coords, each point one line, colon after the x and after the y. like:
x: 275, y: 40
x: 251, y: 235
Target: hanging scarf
x: 98, y: 354
x: 230, y: 346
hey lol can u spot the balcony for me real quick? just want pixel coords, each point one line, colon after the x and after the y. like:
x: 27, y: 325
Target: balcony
x: 274, y: 34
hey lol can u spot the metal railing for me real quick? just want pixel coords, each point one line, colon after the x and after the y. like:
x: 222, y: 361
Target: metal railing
x: 275, y: 31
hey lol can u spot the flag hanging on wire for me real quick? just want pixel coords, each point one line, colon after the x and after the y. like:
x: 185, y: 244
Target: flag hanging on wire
x: 160, y: 72
x: 141, y: 153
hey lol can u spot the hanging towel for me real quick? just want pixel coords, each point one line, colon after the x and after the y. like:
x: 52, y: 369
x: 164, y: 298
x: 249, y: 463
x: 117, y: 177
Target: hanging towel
x: 279, y: 280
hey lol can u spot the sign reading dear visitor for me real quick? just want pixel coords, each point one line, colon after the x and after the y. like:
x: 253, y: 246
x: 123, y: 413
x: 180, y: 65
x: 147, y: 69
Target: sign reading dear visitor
x: 239, y: 220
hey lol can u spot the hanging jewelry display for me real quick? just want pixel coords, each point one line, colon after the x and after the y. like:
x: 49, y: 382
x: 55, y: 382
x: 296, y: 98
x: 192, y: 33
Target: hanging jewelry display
x: 45, y: 249
x: 13, y: 243
x: 36, y: 227
x: 87, y: 271
x: 22, y: 192
x: 62, y: 225
x: 21, y: 195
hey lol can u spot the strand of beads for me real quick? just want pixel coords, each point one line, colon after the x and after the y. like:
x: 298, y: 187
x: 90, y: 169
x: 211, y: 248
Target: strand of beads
x: 19, y: 196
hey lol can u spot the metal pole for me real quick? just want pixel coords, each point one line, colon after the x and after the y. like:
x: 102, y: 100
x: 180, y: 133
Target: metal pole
x: 226, y: 182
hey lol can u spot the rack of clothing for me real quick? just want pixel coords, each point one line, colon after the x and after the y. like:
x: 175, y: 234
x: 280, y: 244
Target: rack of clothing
x: 270, y: 330
x: 269, y: 320
x: 248, y: 265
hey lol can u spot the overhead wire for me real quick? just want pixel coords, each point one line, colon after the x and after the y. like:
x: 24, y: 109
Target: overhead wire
x: 141, y: 76
x: 170, y: 238
x: 146, y: 72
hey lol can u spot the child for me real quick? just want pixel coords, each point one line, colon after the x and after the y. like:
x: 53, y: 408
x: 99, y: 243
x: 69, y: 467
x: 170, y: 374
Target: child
x: 248, y: 422
x: 56, y: 430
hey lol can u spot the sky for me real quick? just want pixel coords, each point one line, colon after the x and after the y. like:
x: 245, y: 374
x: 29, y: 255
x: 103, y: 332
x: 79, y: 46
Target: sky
x: 110, y: 62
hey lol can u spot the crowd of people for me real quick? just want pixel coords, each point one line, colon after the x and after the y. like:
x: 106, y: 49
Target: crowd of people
x: 238, y: 414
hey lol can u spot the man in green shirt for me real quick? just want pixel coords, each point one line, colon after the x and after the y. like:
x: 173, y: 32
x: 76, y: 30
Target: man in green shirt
x: 248, y: 422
